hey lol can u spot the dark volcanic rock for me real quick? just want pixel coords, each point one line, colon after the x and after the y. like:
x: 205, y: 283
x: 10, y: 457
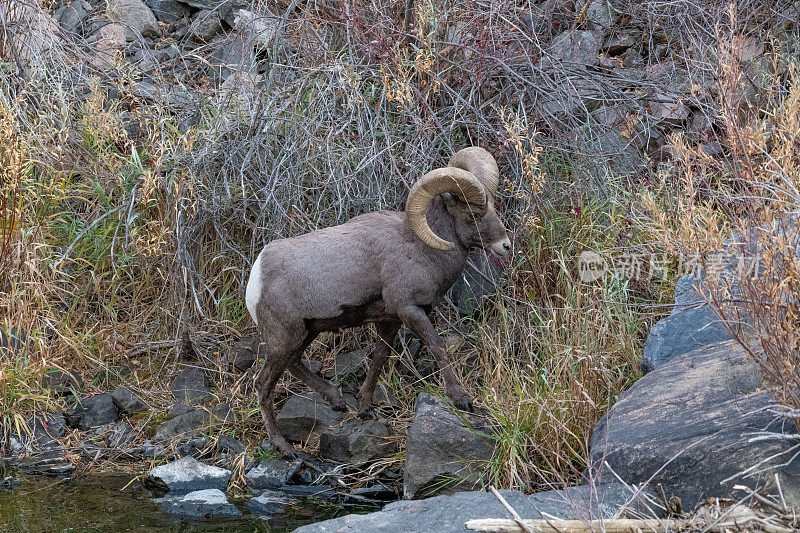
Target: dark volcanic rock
x: 42, y: 431
x: 191, y: 386
x: 230, y: 445
x: 200, y: 505
x: 127, y: 401
x: 62, y: 383
x: 447, y: 514
x: 357, y: 441
x: 272, y: 474
x: 48, y: 463
x: 686, y: 423
x: 187, y: 474
x: 303, y: 415
x: 92, y: 412
x: 349, y: 364
x: 189, y: 423
x: 691, y: 325
x: 245, y: 353
x: 439, y: 446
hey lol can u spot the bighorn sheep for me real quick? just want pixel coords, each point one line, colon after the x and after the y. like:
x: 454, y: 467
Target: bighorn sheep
x: 386, y: 267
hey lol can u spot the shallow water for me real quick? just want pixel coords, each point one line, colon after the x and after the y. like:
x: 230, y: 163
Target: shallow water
x: 99, y: 503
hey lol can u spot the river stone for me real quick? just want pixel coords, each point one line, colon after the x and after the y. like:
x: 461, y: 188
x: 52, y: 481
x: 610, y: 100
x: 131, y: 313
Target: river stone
x: 135, y: 16
x: 272, y: 474
x: 268, y: 503
x: 691, y: 325
x: 127, y: 401
x: 440, y: 447
x: 92, y: 412
x: 687, y: 424
x: 200, y: 505
x: 187, y: 474
x: 188, y: 424
x: 303, y: 415
x: 357, y: 441
x: 447, y: 514
x: 191, y: 386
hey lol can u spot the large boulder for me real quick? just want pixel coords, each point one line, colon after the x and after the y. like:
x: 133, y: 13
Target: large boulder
x: 447, y: 514
x: 187, y: 474
x: 443, y: 455
x: 687, y: 424
x: 692, y: 324
x: 135, y: 16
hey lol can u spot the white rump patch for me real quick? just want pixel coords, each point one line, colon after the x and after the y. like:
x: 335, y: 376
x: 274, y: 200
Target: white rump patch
x: 253, y: 294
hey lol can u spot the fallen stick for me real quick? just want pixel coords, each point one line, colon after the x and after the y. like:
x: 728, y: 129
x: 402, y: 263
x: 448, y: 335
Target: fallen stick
x: 501, y: 525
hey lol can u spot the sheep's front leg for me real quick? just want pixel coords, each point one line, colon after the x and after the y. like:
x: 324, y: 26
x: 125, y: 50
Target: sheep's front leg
x: 386, y: 334
x: 417, y: 321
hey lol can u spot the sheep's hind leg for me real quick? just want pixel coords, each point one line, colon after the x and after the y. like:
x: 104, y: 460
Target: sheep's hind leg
x: 328, y: 391
x: 417, y: 321
x: 386, y: 334
x: 265, y: 382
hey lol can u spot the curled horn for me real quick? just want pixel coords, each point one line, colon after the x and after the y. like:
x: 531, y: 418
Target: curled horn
x: 481, y: 163
x: 457, y: 181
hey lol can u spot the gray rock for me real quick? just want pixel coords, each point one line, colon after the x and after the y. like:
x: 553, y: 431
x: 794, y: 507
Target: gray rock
x: 303, y: 415
x: 135, y: 16
x: 691, y: 325
x: 245, y: 353
x: 190, y: 423
x: 632, y: 59
x: 687, y: 424
x: 447, y: 514
x: 349, y: 364
x: 49, y: 463
x: 600, y: 16
x: 272, y: 474
x: 62, y: 383
x: 268, y: 503
x: 195, y: 447
x: 204, y: 504
x: 205, y: 26
x: 235, y: 54
x: 578, y: 47
x: 671, y: 79
x: 187, y: 474
x: 618, y: 42
x: 229, y: 10
x: 127, y: 401
x: 41, y: 431
x: 92, y: 412
x: 357, y: 441
x: 608, y: 152
x: 9, y: 482
x: 478, y: 285
x: 175, y: 98
x: 191, y: 386
x: 168, y: 10
x: 226, y: 444
x: 667, y: 109
x: 440, y: 447
x: 71, y: 16
x: 119, y: 435
x: 259, y: 29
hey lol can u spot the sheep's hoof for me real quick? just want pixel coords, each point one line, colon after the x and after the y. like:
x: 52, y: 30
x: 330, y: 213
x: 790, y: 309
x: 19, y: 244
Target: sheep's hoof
x: 367, y: 414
